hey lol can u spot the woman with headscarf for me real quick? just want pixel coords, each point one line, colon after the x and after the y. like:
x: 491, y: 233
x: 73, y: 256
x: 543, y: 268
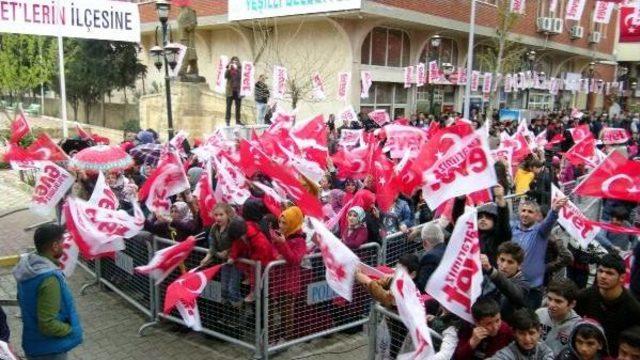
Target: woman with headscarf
x: 285, y: 280
x: 355, y: 234
x: 350, y: 189
x: 179, y: 225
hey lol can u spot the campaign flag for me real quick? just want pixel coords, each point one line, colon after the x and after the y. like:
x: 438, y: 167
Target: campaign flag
x: 185, y: 291
x: 408, y: 76
x: 19, y: 128
x: 475, y: 80
x: 629, y: 24
x: 580, y: 133
x: 462, y: 76
x: 248, y: 78
x: 348, y: 115
x: 232, y: 186
x: 318, y: 87
x: 221, y: 80
x: 575, y: 9
x: 614, y: 136
x: 506, y: 154
x: 340, y: 262
x: 177, y: 141
x: 486, y: 83
x: 69, y: 258
x: 51, y: 186
x: 103, y: 196
x: 465, y: 168
x: 166, y: 180
x: 205, y: 195
x: 434, y: 72
x: 350, y: 137
x: 421, y: 74
x: 583, y: 152
x: 344, y: 85
x: 517, y: 6
x: 412, y: 313
x: 615, y: 178
x: 457, y: 282
x: 279, y: 82
x: 403, y: 138
x: 573, y: 220
x: 45, y: 149
x: 380, y: 116
x: 602, y: 13
x: 367, y: 80
x: 164, y: 261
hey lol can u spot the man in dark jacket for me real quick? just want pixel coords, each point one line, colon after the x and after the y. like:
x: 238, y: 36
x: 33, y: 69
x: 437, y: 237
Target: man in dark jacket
x: 262, y: 98
x: 608, y: 301
x: 433, y: 243
x: 510, y: 288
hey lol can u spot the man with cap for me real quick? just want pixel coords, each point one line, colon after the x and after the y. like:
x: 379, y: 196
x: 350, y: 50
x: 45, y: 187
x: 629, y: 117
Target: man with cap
x: 433, y: 243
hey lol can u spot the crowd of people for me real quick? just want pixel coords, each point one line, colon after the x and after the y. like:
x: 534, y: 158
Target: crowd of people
x: 538, y: 301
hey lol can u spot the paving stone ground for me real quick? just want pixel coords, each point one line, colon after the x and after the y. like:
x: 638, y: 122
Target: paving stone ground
x: 111, y: 324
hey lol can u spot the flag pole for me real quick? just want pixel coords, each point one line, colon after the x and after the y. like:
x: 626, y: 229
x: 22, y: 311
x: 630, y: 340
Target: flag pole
x: 467, y: 88
x: 63, y: 91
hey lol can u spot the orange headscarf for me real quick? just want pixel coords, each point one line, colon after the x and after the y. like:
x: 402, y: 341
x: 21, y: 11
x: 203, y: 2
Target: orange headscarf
x: 293, y: 218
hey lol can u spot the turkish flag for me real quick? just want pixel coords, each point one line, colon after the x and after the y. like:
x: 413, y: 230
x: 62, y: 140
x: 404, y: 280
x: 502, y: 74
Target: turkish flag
x: 232, y: 186
x: 103, y: 196
x: 166, y: 260
x: 166, y: 180
x: 612, y: 136
x: 614, y: 228
x: 457, y: 282
x: 385, y: 180
x: 439, y: 143
x: 19, y: 128
x: 629, y: 29
x: 251, y: 156
x: 45, y: 149
x: 312, y: 133
x: 272, y: 200
x: 407, y: 178
x: 580, y: 133
x: 355, y: 163
x: 615, y: 178
x: 205, y: 195
x: 412, y: 313
x: 557, y: 139
x: 583, y: 152
x: 520, y: 145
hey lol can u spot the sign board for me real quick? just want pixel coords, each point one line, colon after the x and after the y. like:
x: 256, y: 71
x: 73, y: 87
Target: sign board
x: 509, y: 115
x: 100, y: 20
x: 320, y: 291
x: 259, y: 9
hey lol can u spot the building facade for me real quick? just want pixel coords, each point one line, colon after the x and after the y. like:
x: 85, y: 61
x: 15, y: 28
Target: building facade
x: 385, y: 36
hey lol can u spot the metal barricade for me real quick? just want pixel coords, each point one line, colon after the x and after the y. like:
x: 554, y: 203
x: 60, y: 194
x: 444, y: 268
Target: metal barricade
x: 398, y: 244
x: 397, y: 339
x: 117, y: 273
x: 235, y: 322
x: 299, y: 305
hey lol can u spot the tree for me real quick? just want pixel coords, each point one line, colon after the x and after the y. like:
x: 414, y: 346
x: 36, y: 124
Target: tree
x: 26, y: 62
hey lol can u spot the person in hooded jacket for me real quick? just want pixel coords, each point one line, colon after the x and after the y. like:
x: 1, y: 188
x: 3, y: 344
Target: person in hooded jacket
x: 51, y: 325
x: 586, y: 342
x: 558, y: 318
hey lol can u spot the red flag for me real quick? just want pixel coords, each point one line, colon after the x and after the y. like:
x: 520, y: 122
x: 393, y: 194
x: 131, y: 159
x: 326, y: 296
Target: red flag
x: 204, y: 194
x: 83, y: 134
x: 166, y: 180
x: 615, y: 178
x: 614, y: 228
x: 45, y: 149
x: 439, y: 143
x: 272, y: 200
x: 583, y: 152
x: 580, y: 133
x: 188, y: 287
x: 407, y: 178
x: 166, y: 260
x: 518, y: 142
x: 313, y: 133
x: 611, y: 136
x: 380, y: 116
x: 19, y: 128
x: 557, y: 139
x: 385, y: 180
x: 355, y: 163
x: 629, y: 29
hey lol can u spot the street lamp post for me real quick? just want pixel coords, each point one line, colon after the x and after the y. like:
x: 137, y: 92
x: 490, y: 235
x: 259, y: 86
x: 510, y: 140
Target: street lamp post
x: 590, y: 94
x: 531, y: 58
x: 472, y: 33
x: 167, y: 54
x: 436, y: 40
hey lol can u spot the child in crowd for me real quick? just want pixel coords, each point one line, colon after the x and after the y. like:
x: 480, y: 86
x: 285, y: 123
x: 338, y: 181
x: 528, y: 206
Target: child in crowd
x: 558, y: 318
x: 587, y: 342
x: 527, y: 344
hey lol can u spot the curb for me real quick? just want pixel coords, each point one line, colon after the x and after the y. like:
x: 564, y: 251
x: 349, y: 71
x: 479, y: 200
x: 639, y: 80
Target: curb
x: 9, y: 261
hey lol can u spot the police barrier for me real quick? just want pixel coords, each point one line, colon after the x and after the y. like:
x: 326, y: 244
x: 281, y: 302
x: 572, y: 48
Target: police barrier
x: 299, y: 305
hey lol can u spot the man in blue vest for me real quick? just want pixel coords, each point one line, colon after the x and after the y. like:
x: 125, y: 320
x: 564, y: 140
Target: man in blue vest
x: 51, y: 327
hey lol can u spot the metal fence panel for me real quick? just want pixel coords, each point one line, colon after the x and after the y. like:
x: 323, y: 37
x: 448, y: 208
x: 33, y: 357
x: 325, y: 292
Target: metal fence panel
x: 396, y: 245
x: 300, y: 305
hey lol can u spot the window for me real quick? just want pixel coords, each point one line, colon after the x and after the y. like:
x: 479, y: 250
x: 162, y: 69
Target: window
x: 386, y: 47
x: 388, y: 96
x: 545, y: 10
x: 446, y: 52
x: 483, y: 58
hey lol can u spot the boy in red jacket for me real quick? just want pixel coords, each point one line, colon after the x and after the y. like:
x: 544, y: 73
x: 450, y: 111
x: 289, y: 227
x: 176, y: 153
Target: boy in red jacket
x: 489, y: 334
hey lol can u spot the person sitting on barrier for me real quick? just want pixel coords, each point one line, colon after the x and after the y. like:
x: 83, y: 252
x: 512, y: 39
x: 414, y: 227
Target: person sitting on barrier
x: 487, y: 336
x: 506, y: 284
x: 356, y: 232
x: 285, y: 284
x: 629, y: 348
x: 558, y: 318
x: 51, y: 326
x: 533, y: 237
x: 433, y: 243
x: 179, y: 225
x: 219, y: 241
x: 527, y: 344
x: 380, y: 291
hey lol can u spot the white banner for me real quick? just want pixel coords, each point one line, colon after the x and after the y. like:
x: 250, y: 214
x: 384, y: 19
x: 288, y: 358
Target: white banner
x: 517, y: 6
x: 344, y: 85
x: 602, y: 13
x: 575, y: 8
x: 457, y: 282
x: 318, y: 87
x: 573, y: 220
x: 100, y: 20
x: 433, y: 71
x: 279, y: 82
x: 421, y: 74
x: 52, y: 184
x: 486, y: 83
x: 221, y: 81
x: 244, y: 10
x: 408, y: 76
x: 348, y: 115
x: 248, y: 78
x: 475, y: 80
x: 367, y: 80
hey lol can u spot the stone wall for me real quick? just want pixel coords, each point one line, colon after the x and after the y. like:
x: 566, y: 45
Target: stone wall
x: 195, y: 108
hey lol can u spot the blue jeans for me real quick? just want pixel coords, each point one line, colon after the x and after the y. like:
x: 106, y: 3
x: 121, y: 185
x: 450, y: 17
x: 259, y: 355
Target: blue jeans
x: 230, y: 278
x: 62, y: 356
x: 261, y: 109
